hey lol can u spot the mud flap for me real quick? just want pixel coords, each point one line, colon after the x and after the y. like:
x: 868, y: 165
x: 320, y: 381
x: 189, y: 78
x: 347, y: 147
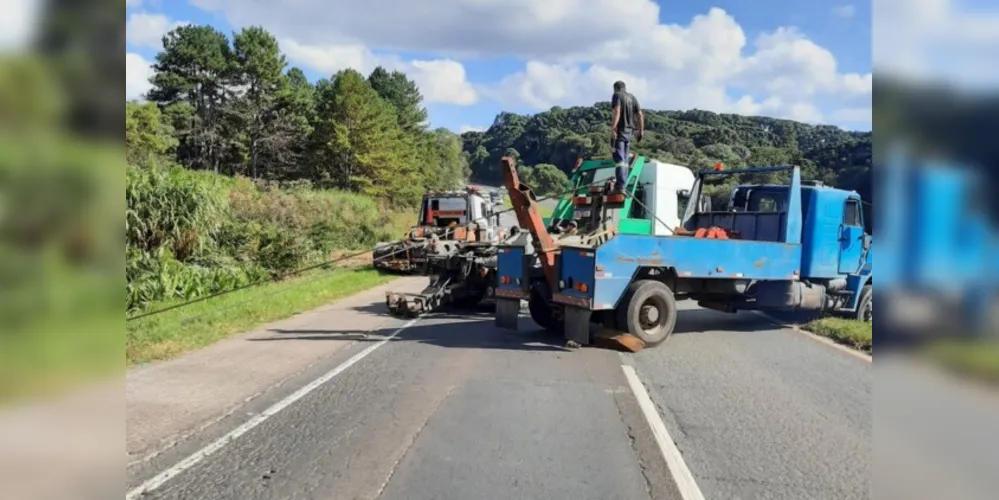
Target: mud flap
x: 577, y: 324
x: 507, y: 313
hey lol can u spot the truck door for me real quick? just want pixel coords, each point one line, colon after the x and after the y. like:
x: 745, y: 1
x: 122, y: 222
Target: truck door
x: 851, y: 237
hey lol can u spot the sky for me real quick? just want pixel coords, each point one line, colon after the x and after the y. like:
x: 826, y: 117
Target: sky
x: 807, y: 61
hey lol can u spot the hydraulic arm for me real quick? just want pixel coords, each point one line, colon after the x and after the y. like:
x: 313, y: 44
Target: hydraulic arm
x: 525, y: 205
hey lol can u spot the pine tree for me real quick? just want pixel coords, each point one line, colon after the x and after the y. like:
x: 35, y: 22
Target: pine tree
x: 264, y: 127
x: 404, y: 95
x: 359, y: 144
x: 193, y: 76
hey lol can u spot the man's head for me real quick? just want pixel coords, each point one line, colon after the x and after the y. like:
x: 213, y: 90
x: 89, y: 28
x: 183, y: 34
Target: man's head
x: 619, y: 86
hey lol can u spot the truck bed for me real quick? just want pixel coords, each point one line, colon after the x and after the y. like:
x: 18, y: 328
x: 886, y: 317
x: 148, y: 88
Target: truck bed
x: 608, y: 269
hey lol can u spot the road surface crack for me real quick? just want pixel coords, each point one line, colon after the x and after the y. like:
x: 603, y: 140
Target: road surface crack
x: 630, y: 432
x: 412, y: 441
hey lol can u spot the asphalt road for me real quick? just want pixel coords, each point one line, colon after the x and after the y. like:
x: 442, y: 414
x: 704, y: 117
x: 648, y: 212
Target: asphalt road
x: 453, y: 407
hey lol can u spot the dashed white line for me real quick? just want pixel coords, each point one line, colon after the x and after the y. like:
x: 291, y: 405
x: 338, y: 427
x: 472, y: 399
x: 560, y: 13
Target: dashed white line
x: 161, y: 478
x: 674, y: 460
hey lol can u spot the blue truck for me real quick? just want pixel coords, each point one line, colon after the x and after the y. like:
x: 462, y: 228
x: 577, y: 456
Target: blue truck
x: 793, y: 246
x: 940, y: 274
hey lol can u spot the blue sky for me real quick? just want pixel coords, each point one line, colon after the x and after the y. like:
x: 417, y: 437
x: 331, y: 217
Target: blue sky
x: 465, y: 86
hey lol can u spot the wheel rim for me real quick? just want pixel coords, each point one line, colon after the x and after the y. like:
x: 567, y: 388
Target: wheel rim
x: 651, y: 316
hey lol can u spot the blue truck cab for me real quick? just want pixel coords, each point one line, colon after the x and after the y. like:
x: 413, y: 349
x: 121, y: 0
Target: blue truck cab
x: 774, y: 247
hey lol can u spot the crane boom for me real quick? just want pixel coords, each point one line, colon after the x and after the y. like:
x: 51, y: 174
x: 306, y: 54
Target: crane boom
x: 525, y: 205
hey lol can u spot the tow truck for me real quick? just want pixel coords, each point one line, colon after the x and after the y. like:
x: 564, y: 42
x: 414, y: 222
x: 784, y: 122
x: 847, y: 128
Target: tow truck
x: 443, y: 216
x: 794, y: 246
x: 463, y: 271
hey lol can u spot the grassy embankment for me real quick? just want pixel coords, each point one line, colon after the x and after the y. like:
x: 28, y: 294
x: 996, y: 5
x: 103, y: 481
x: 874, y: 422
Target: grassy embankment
x: 976, y: 359
x: 853, y: 333
x: 193, y: 234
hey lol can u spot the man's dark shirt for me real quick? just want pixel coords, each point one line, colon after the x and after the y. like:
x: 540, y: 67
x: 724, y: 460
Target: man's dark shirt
x: 629, y: 111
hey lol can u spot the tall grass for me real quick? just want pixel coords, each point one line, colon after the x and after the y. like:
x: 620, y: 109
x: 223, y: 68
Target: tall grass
x: 189, y: 234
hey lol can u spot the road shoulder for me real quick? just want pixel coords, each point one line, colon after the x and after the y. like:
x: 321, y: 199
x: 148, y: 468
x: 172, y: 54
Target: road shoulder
x: 168, y: 401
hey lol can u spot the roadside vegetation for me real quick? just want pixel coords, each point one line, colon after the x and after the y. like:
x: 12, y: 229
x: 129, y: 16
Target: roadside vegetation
x: 180, y: 330
x: 856, y: 334
x: 975, y: 359
x: 241, y: 171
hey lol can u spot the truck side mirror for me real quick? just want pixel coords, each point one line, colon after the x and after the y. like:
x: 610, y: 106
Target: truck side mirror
x: 867, y: 242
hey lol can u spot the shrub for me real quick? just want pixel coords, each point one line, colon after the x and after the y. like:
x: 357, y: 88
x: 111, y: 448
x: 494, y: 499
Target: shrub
x: 190, y: 233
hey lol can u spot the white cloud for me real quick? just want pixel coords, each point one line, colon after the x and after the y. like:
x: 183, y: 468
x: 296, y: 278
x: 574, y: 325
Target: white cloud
x: 707, y: 63
x: 455, y: 28
x: 440, y: 80
x: 853, y: 115
x: 470, y: 128
x: 697, y: 66
x: 146, y: 30
x: 845, y: 11
x: 138, y: 71
x: 133, y: 3
x: 18, y: 23
x: 937, y: 40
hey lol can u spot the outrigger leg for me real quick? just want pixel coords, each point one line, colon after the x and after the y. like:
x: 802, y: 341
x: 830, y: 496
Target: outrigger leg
x: 507, y: 313
x: 412, y: 305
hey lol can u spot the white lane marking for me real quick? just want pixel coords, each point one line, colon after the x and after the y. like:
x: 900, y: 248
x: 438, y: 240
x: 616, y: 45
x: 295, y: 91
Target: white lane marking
x: 827, y: 341
x: 678, y: 468
x: 197, y: 457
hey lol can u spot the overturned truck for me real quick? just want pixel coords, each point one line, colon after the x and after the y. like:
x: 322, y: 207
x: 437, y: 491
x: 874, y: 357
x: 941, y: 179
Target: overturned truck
x: 462, y: 273
x: 444, y: 216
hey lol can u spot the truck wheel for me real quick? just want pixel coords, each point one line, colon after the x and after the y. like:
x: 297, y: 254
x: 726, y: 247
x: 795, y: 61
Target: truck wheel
x: 470, y: 301
x: 865, y: 306
x: 648, y: 311
x: 542, y: 310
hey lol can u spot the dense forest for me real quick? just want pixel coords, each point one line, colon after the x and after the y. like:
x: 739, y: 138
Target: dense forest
x: 698, y: 139
x: 235, y: 108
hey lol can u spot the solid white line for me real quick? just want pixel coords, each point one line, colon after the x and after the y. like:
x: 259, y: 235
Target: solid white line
x: 203, y: 453
x: 674, y: 460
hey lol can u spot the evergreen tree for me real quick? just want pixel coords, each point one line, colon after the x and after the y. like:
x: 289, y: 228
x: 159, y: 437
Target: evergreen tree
x: 147, y: 136
x: 193, y: 74
x: 263, y: 125
x: 361, y: 147
x: 405, y: 97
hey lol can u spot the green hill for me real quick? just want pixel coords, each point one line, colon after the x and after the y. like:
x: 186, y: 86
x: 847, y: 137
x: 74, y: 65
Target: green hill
x: 698, y: 139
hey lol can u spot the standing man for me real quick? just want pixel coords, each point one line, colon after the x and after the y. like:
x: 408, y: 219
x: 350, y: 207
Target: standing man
x: 625, y: 118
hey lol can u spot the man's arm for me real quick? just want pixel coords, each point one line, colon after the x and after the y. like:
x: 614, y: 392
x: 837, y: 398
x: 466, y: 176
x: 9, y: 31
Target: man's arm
x: 615, y: 114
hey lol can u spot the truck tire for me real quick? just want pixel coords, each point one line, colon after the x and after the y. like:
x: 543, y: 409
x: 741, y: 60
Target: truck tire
x: 541, y: 309
x: 648, y: 311
x: 865, y: 306
x: 470, y: 301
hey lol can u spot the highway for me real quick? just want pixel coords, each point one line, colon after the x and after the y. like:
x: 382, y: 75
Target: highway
x: 450, y: 407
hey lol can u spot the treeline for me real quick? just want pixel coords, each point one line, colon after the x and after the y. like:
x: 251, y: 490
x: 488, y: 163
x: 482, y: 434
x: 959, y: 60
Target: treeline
x: 235, y: 108
x: 241, y: 169
x: 698, y: 139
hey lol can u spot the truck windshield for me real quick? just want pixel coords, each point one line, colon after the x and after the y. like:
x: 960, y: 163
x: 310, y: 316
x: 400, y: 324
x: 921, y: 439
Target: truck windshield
x: 682, y: 199
x: 444, y: 211
x: 595, y: 176
x: 447, y: 204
